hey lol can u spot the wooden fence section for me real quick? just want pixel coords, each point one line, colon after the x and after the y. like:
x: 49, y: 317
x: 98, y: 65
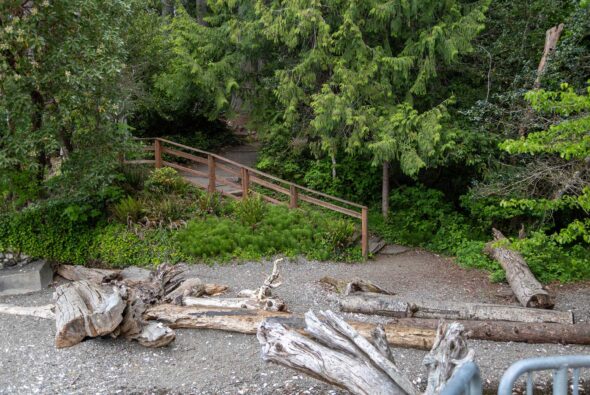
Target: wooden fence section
x: 243, y: 178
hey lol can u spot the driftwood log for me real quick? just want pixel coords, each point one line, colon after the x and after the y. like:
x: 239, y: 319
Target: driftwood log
x: 402, y: 332
x: 263, y: 296
x: 79, y: 273
x: 526, y: 288
x: 347, y: 287
x: 114, y: 302
x: 521, y: 332
x: 247, y: 321
x: 83, y: 309
x: 395, y: 306
x: 333, y: 351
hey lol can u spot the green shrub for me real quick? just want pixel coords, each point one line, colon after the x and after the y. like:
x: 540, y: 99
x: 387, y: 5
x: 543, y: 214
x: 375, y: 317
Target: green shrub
x: 134, y: 176
x: 210, y: 203
x: 250, y: 211
x: 280, y: 230
x: 127, y: 210
x: 338, y: 235
x: 60, y: 231
x: 167, y: 209
x: 116, y: 246
x: 165, y: 180
x: 420, y: 216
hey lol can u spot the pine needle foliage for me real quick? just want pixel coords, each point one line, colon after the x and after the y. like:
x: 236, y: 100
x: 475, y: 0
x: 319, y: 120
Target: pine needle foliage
x: 340, y: 75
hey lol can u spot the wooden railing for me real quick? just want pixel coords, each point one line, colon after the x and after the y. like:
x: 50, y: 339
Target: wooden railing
x: 244, y: 177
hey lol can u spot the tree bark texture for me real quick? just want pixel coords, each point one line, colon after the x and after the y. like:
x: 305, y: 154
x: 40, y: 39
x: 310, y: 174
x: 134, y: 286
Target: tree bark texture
x: 395, y: 306
x: 527, y: 289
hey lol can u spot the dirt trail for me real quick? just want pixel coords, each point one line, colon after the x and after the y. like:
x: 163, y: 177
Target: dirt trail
x: 213, y: 362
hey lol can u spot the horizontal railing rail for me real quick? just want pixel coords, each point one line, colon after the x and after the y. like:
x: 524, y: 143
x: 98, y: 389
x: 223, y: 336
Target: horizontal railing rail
x: 244, y: 177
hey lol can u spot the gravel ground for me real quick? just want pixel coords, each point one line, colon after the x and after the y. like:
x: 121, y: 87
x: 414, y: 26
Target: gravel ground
x: 215, y: 362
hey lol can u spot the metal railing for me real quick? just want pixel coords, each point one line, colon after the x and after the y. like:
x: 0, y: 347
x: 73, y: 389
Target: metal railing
x: 467, y: 380
x: 560, y: 366
x: 244, y: 177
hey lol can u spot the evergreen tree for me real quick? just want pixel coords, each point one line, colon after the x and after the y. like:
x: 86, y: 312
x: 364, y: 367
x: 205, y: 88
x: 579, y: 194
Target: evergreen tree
x: 341, y: 75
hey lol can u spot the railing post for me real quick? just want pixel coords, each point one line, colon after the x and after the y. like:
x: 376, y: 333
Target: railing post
x: 245, y: 174
x: 158, y: 153
x: 293, y: 195
x: 365, y: 232
x: 211, y: 164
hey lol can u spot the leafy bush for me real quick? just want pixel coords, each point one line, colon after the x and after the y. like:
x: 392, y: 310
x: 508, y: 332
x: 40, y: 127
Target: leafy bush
x: 280, y: 230
x: 116, y: 246
x: 165, y: 180
x: 127, y: 210
x: 47, y: 231
x: 250, y: 211
x: 210, y: 203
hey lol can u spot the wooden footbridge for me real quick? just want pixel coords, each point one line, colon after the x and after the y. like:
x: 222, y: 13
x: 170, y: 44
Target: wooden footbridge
x: 216, y: 173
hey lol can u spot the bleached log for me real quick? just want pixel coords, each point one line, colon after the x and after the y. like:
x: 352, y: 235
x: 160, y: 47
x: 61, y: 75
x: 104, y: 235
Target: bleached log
x: 337, y: 355
x: 81, y: 273
x: 45, y: 311
x: 503, y: 331
x: 84, y: 309
x: 395, y: 306
x: 247, y: 321
x: 347, y: 287
x: 263, y: 295
x: 526, y: 288
x: 231, y: 303
x: 449, y: 352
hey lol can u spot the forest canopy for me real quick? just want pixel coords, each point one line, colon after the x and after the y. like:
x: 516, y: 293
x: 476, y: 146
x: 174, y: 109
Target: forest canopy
x: 449, y: 118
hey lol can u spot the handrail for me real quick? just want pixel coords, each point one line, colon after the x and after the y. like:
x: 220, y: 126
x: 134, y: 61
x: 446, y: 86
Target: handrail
x: 246, y: 174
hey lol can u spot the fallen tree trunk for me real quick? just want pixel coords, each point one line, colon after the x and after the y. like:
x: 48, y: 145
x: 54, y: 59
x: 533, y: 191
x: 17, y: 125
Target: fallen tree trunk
x: 86, y: 310
x: 333, y: 351
x: 337, y: 355
x: 395, y: 306
x: 90, y: 308
x: 248, y: 320
x: 521, y: 332
x: 526, y: 288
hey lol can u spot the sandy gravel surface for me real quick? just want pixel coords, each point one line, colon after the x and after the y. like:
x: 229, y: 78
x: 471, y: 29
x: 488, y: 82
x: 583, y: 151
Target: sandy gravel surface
x: 214, y: 362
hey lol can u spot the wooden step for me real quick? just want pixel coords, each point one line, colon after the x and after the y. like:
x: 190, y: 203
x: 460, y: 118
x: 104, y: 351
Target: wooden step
x: 376, y: 244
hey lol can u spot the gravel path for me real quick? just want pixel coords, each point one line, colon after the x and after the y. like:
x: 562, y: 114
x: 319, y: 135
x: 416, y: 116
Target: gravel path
x: 214, y: 362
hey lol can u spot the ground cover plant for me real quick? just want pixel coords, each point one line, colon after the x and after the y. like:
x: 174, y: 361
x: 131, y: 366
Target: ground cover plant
x: 169, y: 220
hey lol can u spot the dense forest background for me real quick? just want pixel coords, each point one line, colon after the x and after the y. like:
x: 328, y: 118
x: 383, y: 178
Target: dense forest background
x: 435, y: 113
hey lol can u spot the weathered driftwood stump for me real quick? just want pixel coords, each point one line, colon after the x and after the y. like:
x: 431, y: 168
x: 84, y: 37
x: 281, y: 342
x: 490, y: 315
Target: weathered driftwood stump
x: 92, y: 308
x: 526, y: 288
x: 395, y: 306
x: 337, y: 354
x: 348, y: 287
x: 263, y: 296
x: 83, y: 309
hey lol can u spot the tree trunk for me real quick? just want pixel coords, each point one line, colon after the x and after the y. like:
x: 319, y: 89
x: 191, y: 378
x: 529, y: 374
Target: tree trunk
x: 395, y: 306
x: 247, y: 321
x: 81, y: 303
x: 83, y: 309
x: 526, y: 288
x: 201, y: 11
x: 521, y: 332
x: 337, y: 354
x: 551, y: 38
x: 385, y: 190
